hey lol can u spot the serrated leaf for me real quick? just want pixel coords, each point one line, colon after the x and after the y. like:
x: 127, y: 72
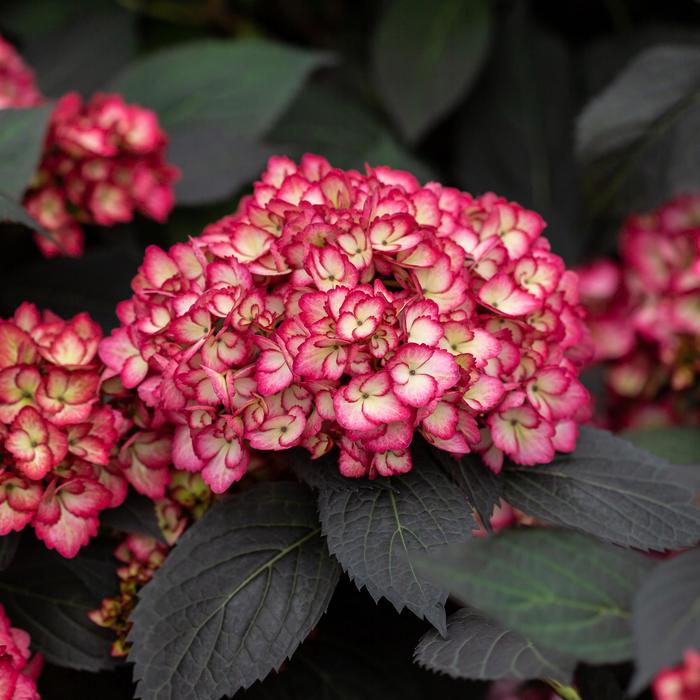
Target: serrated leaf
x: 376, y: 529
x: 560, y: 589
x: 679, y: 444
x: 21, y: 141
x: 137, y: 514
x: 478, y: 647
x: 481, y: 486
x: 242, y: 588
x: 8, y: 547
x: 610, y: 489
x: 50, y: 596
x: 441, y: 45
x: 666, y: 618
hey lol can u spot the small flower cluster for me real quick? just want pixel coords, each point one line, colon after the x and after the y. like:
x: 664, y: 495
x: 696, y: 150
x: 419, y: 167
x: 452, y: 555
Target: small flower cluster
x: 17, y: 85
x: 141, y: 556
x: 644, y: 316
x: 186, y: 500
x: 56, y: 438
x: 102, y: 160
x: 18, y: 669
x: 335, y: 308
x: 681, y: 683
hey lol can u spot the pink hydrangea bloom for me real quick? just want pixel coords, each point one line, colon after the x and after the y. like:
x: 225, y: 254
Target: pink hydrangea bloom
x: 58, y: 465
x: 349, y: 309
x: 644, y: 316
x: 18, y: 669
x: 680, y: 683
x: 103, y: 161
x: 17, y: 85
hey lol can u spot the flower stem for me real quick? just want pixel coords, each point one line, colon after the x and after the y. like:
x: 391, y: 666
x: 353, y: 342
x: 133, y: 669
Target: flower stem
x: 563, y: 691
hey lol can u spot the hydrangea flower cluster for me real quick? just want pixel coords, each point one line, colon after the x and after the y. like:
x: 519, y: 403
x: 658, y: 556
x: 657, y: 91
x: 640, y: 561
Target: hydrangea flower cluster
x: 644, y: 316
x: 141, y: 556
x: 102, y: 161
x: 56, y: 438
x: 17, y: 85
x: 335, y: 308
x: 681, y: 683
x: 18, y: 669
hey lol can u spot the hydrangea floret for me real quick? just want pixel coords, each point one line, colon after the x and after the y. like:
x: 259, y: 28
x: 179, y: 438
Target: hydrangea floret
x: 349, y: 309
x: 18, y: 668
x: 17, y: 84
x: 103, y: 160
x: 680, y: 683
x: 644, y: 316
x: 56, y: 436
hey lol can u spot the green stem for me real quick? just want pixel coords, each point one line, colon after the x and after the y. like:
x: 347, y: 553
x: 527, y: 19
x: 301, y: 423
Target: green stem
x: 563, y: 691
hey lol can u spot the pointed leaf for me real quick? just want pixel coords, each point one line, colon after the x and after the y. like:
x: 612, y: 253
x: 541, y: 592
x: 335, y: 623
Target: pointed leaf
x: 481, y: 486
x: 612, y: 490
x: 666, y: 619
x: 560, y: 589
x: 50, y: 596
x: 14, y: 213
x: 478, y: 647
x: 239, y: 592
x: 377, y: 528
x: 441, y: 45
x: 21, y: 141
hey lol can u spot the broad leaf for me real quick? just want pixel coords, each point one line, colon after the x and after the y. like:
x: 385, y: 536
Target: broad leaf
x: 377, y: 528
x: 560, y: 589
x: 216, y: 99
x: 137, y: 514
x: 612, y: 490
x: 666, y: 619
x: 50, y: 596
x: 633, y: 137
x: 426, y: 56
x: 515, y: 133
x: 478, y: 647
x: 481, y: 486
x: 327, y: 120
x: 21, y: 141
x: 242, y: 588
x: 8, y: 548
x: 679, y: 444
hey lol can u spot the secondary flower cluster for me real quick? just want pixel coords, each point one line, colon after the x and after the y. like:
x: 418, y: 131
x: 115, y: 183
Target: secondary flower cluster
x: 341, y: 308
x: 18, y: 669
x: 56, y: 438
x: 681, y: 683
x: 102, y: 161
x: 17, y: 85
x: 644, y: 316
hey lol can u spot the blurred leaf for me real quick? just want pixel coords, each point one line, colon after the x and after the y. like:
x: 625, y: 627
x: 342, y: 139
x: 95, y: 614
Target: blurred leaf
x: 8, y: 547
x: 377, y: 529
x: 50, y: 596
x: 240, y: 591
x: 478, y: 647
x: 677, y: 444
x: 426, y: 56
x: 216, y: 99
x: 666, y: 617
x: 515, y: 133
x: 634, y: 137
x: 327, y: 121
x: 21, y: 141
x: 12, y: 211
x: 611, y: 489
x: 560, y: 589
x: 137, y: 514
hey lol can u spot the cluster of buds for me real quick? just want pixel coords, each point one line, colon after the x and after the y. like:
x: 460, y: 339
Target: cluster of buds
x: 187, y: 499
x: 644, y: 317
x: 56, y: 437
x: 102, y: 161
x: 17, y: 85
x: 141, y: 556
x: 335, y: 308
x: 681, y: 683
x: 18, y: 669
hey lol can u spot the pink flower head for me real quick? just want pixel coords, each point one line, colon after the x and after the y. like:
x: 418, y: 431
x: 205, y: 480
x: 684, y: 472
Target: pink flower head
x: 58, y: 439
x: 17, y: 85
x: 680, y: 683
x: 103, y: 160
x: 18, y: 669
x: 336, y: 308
